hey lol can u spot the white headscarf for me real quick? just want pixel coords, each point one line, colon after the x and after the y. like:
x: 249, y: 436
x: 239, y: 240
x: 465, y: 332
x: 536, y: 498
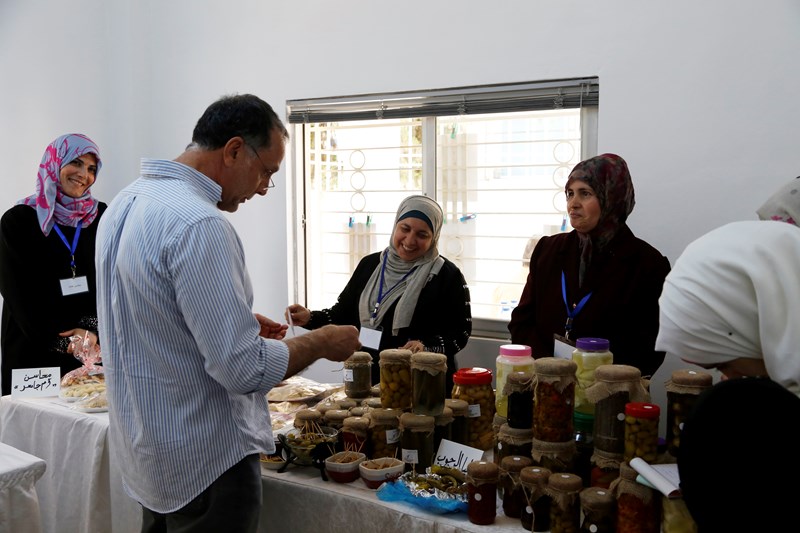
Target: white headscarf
x: 406, y: 289
x: 735, y: 292
x: 784, y: 205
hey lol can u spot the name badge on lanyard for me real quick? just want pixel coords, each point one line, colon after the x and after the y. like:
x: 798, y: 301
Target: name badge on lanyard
x: 563, y: 346
x: 75, y: 284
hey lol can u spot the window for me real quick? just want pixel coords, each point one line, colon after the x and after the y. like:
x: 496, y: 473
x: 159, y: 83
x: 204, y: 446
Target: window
x: 496, y: 159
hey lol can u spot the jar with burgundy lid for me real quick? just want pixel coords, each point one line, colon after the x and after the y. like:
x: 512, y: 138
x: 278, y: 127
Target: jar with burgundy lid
x: 357, y: 375
x: 474, y: 385
x: 535, y: 516
x: 482, y: 479
x: 565, y: 508
x: 554, y: 399
x: 683, y: 388
x: 638, y: 508
x: 512, y: 492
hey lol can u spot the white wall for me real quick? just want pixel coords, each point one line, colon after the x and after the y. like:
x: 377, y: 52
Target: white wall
x: 699, y: 97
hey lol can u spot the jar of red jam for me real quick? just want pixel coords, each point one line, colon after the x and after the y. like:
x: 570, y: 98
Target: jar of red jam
x: 513, y: 494
x: 535, y: 516
x: 482, y: 479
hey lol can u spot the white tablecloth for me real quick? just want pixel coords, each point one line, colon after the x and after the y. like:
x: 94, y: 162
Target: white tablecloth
x: 80, y: 491
x: 19, y: 502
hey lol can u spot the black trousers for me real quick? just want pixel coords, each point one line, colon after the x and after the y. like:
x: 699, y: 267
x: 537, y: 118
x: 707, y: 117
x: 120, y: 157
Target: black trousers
x: 232, y: 503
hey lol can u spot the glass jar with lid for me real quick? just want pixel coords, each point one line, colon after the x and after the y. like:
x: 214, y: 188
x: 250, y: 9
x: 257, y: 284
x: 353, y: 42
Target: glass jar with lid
x: 442, y: 428
x: 584, y: 445
x: 535, y: 516
x: 459, y: 429
x: 683, y: 388
x: 395, y: 365
x: 416, y: 441
x: 474, y: 385
x: 554, y: 399
x: 558, y: 457
x: 520, y: 399
x: 385, y: 432
x: 428, y: 378
x: 334, y: 418
x: 599, y: 510
x: 513, y: 441
x: 308, y: 420
x: 482, y: 479
x: 355, y: 435
x: 565, y: 509
x: 637, y: 506
x: 513, y: 494
x: 641, y: 431
x: 512, y: 357
x: 357, y: 375
x: 589, y: 353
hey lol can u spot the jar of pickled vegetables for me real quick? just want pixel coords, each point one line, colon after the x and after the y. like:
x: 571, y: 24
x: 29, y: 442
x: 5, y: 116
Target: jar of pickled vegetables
x: 384, y: 432
x: 589, y: 353
x: 638, y: 508
x: 395, y: 365
x: 614, y: 387
x: 357, y: 375
x: 565, y: 509
x: 512, y: 358
x: 599, y: 510
x: 513, y: 494
x: 535, y: 516
x: 428, y: 377
x: 474, y: 385
x: 482, y: 479
x: 683, y: 388
x: 641, y: 431
x: 520, y: 399
x: 459, y: 429
x: 554, y: 399
x: 416, y: 441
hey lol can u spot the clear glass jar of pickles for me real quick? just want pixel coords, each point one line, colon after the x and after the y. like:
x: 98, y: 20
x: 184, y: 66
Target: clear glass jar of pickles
x: 614, y: 387
x: 683, y: 388
x: 599, y: 510
x: 589, y: 353
x: 641, y: 431
x: 554, y: 399
x: 428, y: 378
x: 385, y: 432
x: 535, y: 516
x: 416, y: 441
x: 520, y: 399
x: 565, y: 509
x: 474, y: 385
x: 357, y: 375
x: 459, y: 429
x: 395, y: 383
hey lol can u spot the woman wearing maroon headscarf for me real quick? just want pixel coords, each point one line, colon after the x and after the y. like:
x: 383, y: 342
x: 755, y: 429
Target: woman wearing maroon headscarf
x: 598, y: 280
x: 47, y: 274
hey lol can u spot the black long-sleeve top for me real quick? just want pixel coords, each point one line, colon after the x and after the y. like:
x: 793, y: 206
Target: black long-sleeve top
x: 34, y: 309
x: 442, y: 318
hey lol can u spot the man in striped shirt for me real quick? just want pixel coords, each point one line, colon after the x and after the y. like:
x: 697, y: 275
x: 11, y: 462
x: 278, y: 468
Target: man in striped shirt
x: 187, y: 362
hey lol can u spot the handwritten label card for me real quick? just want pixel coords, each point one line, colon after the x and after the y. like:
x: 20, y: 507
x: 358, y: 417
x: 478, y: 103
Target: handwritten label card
x: 456, y: 455
x: 35, y: 382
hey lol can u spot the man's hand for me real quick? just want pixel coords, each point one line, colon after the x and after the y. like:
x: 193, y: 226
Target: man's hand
x: 335, y: 343
x: 271, y: 329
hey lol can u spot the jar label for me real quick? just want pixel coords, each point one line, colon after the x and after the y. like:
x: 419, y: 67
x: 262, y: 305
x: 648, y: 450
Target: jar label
x: 392, y: 436
x: 410, y: 456
x: 474, y: 410
x: 348, y: 375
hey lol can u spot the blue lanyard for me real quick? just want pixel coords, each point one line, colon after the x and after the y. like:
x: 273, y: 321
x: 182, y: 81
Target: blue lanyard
x: 381, y: 295
x: 74, y: 244
x: 571, y: 313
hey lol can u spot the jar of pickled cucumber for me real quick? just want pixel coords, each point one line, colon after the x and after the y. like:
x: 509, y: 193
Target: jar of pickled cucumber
x: 428, y: 378
x: 355, y: 435
x: 474, y: 385
x: 614, y: 387
x: 395, y: 365
x: 683, y: 388
x: 520, y: 399
x: 638, y: 508
x: 513, y: 441
x: 459, y: 429
x: 385, y: 432
x: 513, y: 494
x: 589, y: 353
x: 512, y: 357
x: 599, y: 510
x: 357, y: 375
x: 442, y: 429
x: 554, y: 399
x: 535, y: 516
x: 482, y: 479
x: 416, y: 441
x: 641, y: 431
x: 565, y: 509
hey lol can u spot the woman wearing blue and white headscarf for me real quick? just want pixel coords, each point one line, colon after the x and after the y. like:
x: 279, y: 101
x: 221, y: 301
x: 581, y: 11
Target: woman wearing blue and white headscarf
x: 409, y: 294
x: 47, y: 274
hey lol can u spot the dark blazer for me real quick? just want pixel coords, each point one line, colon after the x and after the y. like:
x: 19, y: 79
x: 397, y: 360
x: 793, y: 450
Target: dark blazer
x: 442, y: 319
x: 625, y: 281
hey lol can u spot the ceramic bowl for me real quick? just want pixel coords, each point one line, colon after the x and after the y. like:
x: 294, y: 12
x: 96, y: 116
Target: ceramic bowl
x: 375, y: 472
x: 302, y: 448
x: 343, y: 466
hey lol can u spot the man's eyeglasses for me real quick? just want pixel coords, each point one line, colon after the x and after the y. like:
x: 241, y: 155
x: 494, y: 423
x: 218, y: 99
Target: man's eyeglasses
x: 267, y: 173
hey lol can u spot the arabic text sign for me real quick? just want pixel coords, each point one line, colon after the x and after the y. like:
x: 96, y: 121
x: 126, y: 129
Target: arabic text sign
x: 456, y: 455
x: 35, y: 382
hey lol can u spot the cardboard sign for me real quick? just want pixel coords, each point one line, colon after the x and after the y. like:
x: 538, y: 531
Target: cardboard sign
x: 454, y: 455
x: 35, y: 382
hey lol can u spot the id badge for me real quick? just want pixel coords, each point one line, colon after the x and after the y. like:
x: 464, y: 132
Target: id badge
x: 563, y: 347
x: 370, y: 338
x: 74, y: 285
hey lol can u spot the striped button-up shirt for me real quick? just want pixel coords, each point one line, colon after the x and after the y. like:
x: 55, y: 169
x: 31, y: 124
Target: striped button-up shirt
x: 186, y: 369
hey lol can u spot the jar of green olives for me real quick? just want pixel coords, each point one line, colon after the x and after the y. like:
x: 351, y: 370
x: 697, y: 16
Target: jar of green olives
x: 384, y: 432
x: 474, y: 385
x: 357, y: 375
x: 683, y: 388
x: 641, y: 431
x: 428, y: 377
x: 395, y: 366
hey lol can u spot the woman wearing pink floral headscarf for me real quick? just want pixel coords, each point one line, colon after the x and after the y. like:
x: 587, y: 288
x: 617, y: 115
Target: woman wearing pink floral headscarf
x: 47, y: 274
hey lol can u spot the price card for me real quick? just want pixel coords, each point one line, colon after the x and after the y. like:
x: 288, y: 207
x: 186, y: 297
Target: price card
x: 35, y: 382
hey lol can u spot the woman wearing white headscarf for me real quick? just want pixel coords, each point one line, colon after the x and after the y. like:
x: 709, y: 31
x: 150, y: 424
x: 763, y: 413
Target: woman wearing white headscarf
x: 783, y: 205
x: 732, y: 302
x: 47, y: 274
x: 409, y: 294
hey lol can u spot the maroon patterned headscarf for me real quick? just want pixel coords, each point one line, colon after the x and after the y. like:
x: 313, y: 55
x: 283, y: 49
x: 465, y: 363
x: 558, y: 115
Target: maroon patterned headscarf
x: 608, y: 175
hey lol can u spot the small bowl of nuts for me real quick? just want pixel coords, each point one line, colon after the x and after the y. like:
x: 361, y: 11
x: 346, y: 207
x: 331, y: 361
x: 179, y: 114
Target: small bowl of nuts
x: 375, y: 472
x: 342, y: 467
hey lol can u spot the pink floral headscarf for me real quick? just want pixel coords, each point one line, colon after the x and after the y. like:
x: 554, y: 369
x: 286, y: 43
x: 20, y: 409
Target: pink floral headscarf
x: 50, y: 202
